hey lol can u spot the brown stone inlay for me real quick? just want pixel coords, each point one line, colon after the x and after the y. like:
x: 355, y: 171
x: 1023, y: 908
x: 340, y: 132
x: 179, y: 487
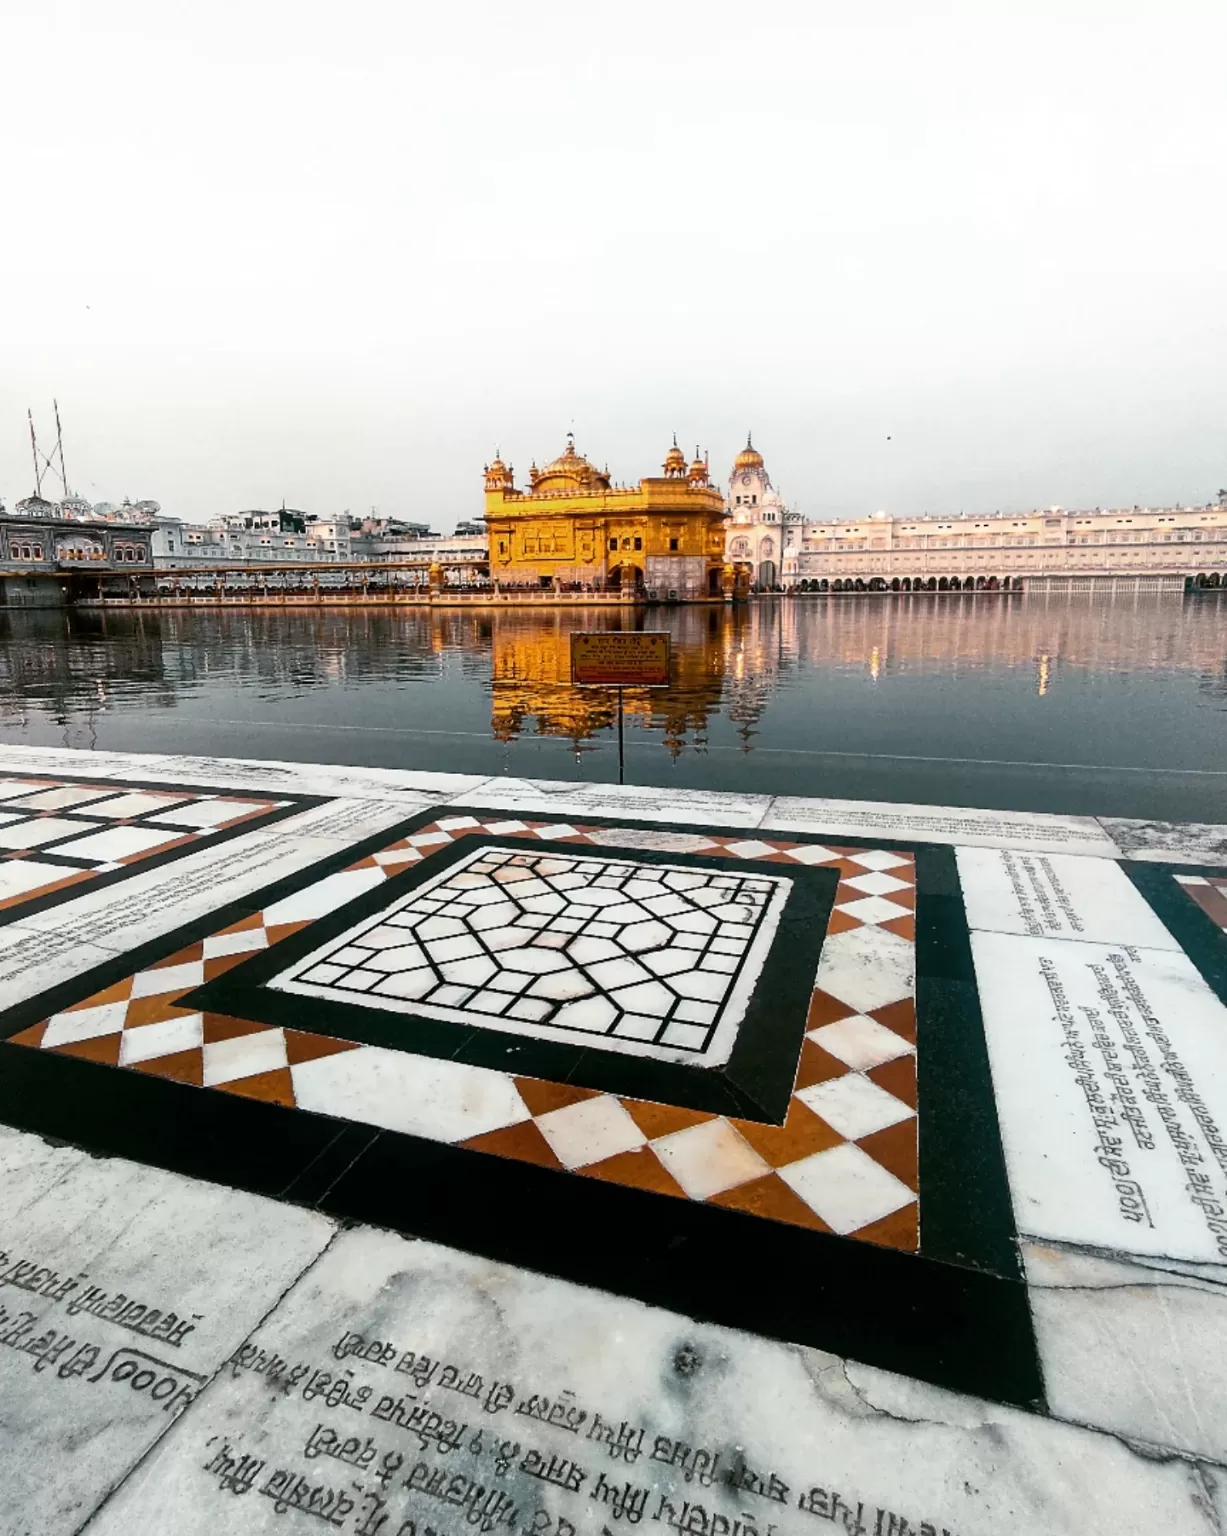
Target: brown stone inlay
x: 825, y: 1009
x: 817, y: 1065
x: 154, y: 1010
x: 900, y: 1016
x: 772, y: 1198
x: 541, y: 1097
x: 103, y: 1048
x: 119, y: 993
x: 640, y: 1169
x: 524, y: 1142
x: 301, y: 1046
x: 220, y: 1026
x: 802, y: 1134
x: 901, y: 1229
x: 897, y: 1077
x: 275, y: 1087
x: 656, y: 1120
x: 895, y: 1149
x: 179, y: 1067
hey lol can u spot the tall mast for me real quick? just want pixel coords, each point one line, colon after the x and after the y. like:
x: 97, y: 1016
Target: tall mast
x: 38, y: 478
x: 59, y: 443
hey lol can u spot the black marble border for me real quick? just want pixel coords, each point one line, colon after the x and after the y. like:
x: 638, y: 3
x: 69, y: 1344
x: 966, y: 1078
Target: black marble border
x: 28, y: 907
x: 1191, y: 926
x: 755, y: 1083
x: 956, y: 1314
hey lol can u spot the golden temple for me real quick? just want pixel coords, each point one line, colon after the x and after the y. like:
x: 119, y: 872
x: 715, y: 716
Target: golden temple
x: 573, y: 528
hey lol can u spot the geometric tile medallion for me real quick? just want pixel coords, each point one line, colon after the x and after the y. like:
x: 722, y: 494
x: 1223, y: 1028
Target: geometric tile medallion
x: 732, y: 1025
x: 645, y: 959
x: 58, y: 836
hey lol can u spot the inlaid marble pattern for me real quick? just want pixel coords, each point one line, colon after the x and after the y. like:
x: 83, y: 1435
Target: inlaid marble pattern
x: 642, y: 958
x: 1210, y: 894
x: 844, y: 1160
x: 61, y: 837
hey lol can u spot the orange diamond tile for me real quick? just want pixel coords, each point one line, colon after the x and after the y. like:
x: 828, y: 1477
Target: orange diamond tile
x: 901, y: 1229
x: 895, y: 1149
x: 220, y: 964
x: 640, y: 1169
x: 656, y: 1120
x: 905, y: 927
x: 817, y: 1065
x: 523, y: 1142
x: 245, y: 924
x: 278, y: 931
x: 276, y: 1087
x: 897, y: 1077
x: 180, y: 957
x: 32, y: 1036
x: 841, y: 922
x: 825, y: 1009
x: 900, y: 1016
x: 802, y: 1133
x: 103, y: 1048
x: 119, y: 993
x: 770, y: 1197
x: 179, y: 1067
x: 301, y: 1046
x: 154, y: 1010
x: 541, y: 1097
x: 220, y: 1026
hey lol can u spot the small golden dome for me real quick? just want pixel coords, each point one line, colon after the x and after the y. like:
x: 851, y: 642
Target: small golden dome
x: 698, y: 469
x: 749, y: 457
x: 675, y: 460
x: 570, y: 470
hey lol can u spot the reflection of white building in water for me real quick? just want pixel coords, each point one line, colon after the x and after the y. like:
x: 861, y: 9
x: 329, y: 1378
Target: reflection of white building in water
x: 762, y: 533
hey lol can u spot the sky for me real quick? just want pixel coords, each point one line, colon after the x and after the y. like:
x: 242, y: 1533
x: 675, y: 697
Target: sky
x: 937, y: 257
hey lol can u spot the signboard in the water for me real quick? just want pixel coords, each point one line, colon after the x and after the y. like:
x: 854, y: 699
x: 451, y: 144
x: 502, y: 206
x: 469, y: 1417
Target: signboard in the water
x: 616, y: 658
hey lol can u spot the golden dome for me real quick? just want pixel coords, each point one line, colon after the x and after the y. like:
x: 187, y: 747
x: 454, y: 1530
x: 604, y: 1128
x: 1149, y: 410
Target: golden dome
x: 571, y: 471
x: 749, y: 457
x: 698, y: 469
x: 675, y: 460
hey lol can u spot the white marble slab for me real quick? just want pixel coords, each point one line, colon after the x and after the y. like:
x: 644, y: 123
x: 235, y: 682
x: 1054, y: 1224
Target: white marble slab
x: 119, y: 917
x: 1110, y: 1070
x: 1131, y: 1349
x: 1169, y: 842
x: 574, y: 1413
x: 1057, y: 896
x: 940, y: 824
x: 298, y: 778
x: 32, y: 960
x: 97, y: 1255
x: 555, y: 797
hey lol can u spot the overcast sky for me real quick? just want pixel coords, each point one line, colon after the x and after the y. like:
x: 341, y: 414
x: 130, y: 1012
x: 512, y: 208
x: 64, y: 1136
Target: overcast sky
x: 938, y: 257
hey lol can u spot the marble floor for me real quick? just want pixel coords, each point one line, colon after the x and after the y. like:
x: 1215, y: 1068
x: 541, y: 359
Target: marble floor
x: 688, y: 1132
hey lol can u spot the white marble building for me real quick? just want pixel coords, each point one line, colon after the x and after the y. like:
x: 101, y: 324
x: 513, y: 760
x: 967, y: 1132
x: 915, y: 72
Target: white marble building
x: 762, y: 532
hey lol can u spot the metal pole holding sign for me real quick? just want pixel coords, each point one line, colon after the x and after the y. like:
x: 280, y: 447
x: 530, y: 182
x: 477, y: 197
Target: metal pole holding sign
x: 617, y: 658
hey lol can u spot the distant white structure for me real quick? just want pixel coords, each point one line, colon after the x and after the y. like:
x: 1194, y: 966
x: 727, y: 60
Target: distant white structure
x: 762, y: 532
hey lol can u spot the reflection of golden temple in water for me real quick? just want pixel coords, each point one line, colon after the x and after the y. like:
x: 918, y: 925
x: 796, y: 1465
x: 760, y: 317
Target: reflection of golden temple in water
x: 531, y: 682
x: 734, y: 660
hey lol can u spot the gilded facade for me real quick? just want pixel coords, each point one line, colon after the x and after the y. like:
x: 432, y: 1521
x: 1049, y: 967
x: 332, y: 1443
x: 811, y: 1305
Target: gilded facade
x: 573, y: 527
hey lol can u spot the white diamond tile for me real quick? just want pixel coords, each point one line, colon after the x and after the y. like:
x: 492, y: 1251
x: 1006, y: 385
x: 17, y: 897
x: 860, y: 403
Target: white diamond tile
x: 708, y: 1158
x: 148, y: 1041
x: 226, y: 1061
x: 860, y: 1042
x: 84, y: 1024
x: 877, y: 883
x: 846, y: 1188
x: 811, y: 853
x: 169, y: 978
x: 749, y: 849
x: 854, y: 1105
x: 590, y: 1131
x: 878, y: 858
x: 867, y: 968
x: 873, y: 909
x: 246, y: 941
